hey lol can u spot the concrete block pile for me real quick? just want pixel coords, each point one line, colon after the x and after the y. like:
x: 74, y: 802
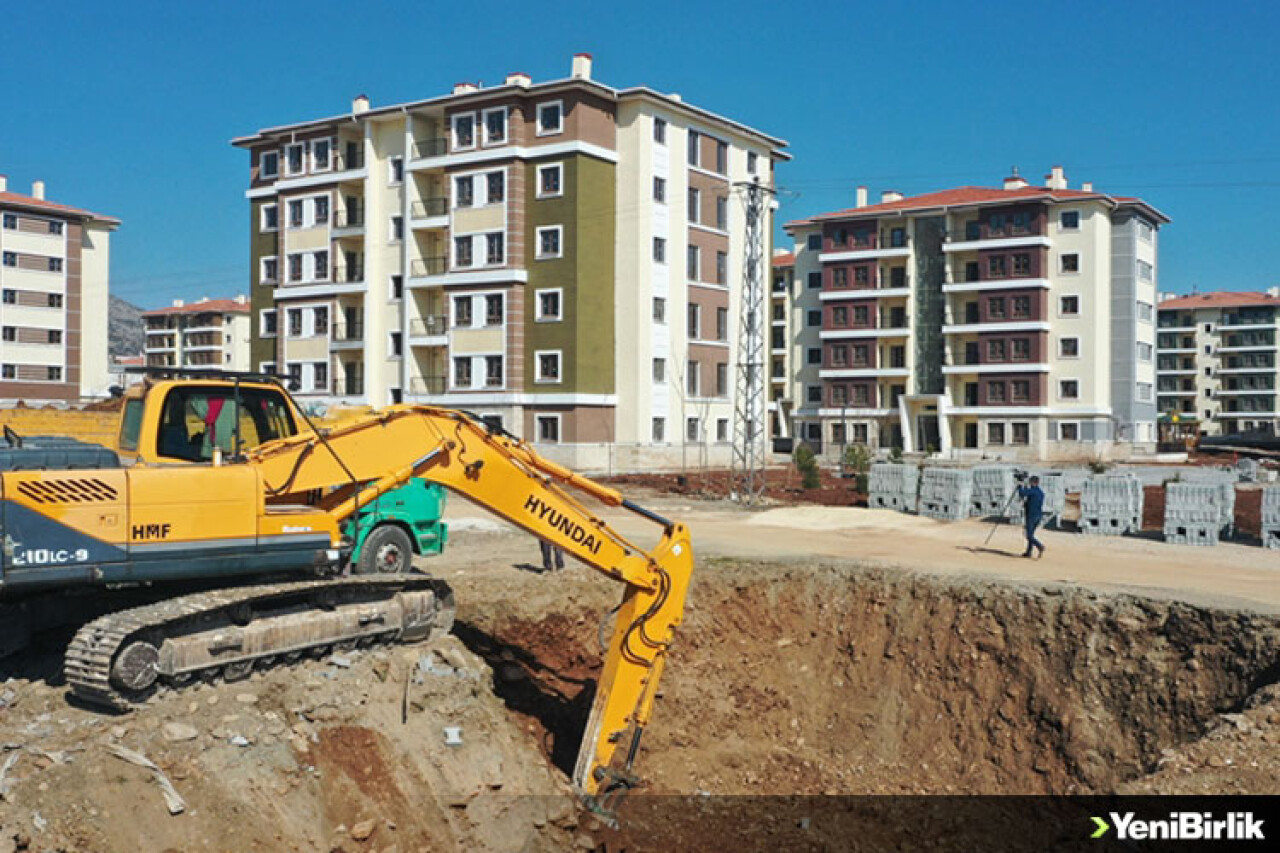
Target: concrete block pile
x: 1271, y: 517
x: 1227, y: 509
x: 1111, y: 505
x: 993, y: 485
x: 1054, y: 486
x: 893, y: 486
x: 1247, y: 470
x: 1192, y: 513
x: 946, y: 493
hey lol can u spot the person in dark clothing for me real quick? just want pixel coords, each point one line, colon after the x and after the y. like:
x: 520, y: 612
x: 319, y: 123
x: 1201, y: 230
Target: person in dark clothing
x: 1033, y: 511
x: 552, y: 557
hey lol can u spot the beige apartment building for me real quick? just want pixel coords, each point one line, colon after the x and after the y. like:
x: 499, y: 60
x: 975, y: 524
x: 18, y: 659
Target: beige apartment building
x: 1217, y: 362
x: 783, y: 294
x: 210, y: 333
x: 1012, y: 322
x: 563, y: 257
x: 54, y: 270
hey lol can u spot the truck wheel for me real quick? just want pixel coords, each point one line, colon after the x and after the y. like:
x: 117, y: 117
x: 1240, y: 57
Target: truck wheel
x: 387, y: 550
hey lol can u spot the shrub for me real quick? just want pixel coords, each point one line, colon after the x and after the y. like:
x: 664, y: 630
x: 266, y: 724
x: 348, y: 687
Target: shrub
x: 857, y: 458
x: 807, y: 464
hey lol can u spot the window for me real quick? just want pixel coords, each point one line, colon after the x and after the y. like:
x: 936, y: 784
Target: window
x: 693, y: 147
x: 462, y: 256
x: 269, y: 164
x: 995, y: 433
x: 493, y: 309
x: 397, y: 229
x: 462, y: 312
x: 320, y: 209
x: 321, y: 155
x: 1071, y: 263
x: 1019, y: 390
x: 53, y: 374
x: 267, y: 323
x: 320, y: 320
x: 1069, y: 220
x: 722, y: 268
x: 840, y: 278
x: 660, y: 130
x: 549, y: 242
x: 295, y: 267
x: 722, y: 324
x: 1021, y: 432
x: 722, y: 157
x: 495, y: 248
x: 548, y: 366
x: 270, y: 217
x: 1145, y: 230
x: 996, y: 350
x: 815, y: 281
x: 691, y: 383
x: 397, y: 287
x: 660, y: 190
x: 549, y: 180
x: 293, y: 159
x: 1144, y: 392
x: 1068, y: 348
x: 464, y: 131
x: 691, y: 429
x: 814, y: 243
x: 692, y: 263
x: 1021, y: 348
x: 550, y: 118
x: 659, y: 429
x: 321, y: 263
x: 1146, y: 312
x: 55, y: 227
x: 752, y: 164
x: 1068, y: 431
x: 659, y: 309
x: 9, y: 333
x: 722, y: 213
x: 395, y: 170
x: 462, y: 372
x: 1069, y: 306
x: 659, y: 250
x: 55, y: 265
x: 1068, y: 389
x: 268, y: 269
x: 9, y: 371
x: 995, y: 308
x: 695, y: 205
x: 996, y: 266
x: 861, y: 275
x: 295, y: 322
x: 55, y: 336
x: 493, y: 371
x: 495, y: 126
x: 995, y: 392
x: 1021, y: 307
x: 497, y: 187
x: 722, y: 429
x: 10, y: 222
x: 395, y: 342
x: 659, y: 370
x: 722, y: 379
x: 695, y: 321
x: 463, y: 191
x: 813, y: 318
x: 1145, y: 271
x: 295, y: 213
x: 320, y: 376
x: 1022, y: 264
x: 548, y: 305
x: 814, y: 393
x: 814, y: 355
x: 1144, y: 351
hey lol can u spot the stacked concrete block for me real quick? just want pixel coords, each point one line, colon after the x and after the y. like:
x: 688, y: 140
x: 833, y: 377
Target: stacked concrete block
x: 993, y: 485
x: 1247, y: 470
x: 946, y: 493
x: 1192, y: 513
x: 893, y: 486
x: 1271, y: 517
x: 1111, y: 505
x: 1227, y: 509
x: 1054, y: 486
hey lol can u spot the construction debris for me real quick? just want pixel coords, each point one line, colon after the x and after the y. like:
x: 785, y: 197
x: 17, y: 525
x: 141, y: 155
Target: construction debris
x: 172, y: 798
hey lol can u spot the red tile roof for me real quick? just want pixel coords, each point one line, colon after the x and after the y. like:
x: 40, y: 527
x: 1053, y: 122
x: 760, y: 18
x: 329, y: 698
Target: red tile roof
x: 961, y: 196
x: 220, y: 306
x: 784, y: 259
x: 7, y: 198
x: 1220, y: 299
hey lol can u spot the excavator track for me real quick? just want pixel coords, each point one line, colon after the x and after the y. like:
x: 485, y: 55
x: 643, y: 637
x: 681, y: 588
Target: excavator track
x: 118, y: 661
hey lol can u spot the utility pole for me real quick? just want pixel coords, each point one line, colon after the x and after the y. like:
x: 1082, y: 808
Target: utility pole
x: 746, y: 480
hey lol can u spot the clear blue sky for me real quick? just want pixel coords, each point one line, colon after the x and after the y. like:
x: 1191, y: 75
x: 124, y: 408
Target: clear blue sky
x: 127, y: 108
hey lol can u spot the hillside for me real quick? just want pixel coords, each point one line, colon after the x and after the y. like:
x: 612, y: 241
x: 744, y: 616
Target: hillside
x: 124, y: 328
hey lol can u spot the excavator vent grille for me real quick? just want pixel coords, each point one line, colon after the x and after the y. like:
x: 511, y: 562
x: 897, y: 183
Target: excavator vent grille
x: 85, y: 490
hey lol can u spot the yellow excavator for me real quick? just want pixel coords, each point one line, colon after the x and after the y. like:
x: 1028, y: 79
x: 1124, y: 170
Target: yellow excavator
x: 273, y: 502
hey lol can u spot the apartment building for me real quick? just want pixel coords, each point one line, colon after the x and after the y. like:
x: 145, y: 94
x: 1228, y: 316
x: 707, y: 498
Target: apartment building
x: 54, y: 270
x: 783, y: 295
x: 1012, y: 322
x: 212, y: 333
x: 563, y: 257
x: 1216, y: 362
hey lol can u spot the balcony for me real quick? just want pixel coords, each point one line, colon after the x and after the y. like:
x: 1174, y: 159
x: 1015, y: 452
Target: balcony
x: 429, y: 207
x: 348, y: 335
x: 348, y: 161
x: 1246, y: 345
x: 427, y: 385
x: 1176, y: 392
x: 869, y: 249
x: 431, y: 326
x: 870, y: 332
x: 835, y: 372
x: 974, y: 239
x: 969, y: 367
x: 1021, y: 324
x: 349, y: 275
x: 348, y: 220
x: 956, y: 284
x: 1243, y: 392
x: 1248, y: 321
x: 428, y: 266
x: 435, y: 147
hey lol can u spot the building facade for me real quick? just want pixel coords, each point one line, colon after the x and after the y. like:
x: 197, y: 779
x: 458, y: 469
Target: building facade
x: 54, y: 271
x: 564, y: 257
x: 783, y: 296
x: 211, y: 333
x: 1012, y: 322
x: 1217, y: 361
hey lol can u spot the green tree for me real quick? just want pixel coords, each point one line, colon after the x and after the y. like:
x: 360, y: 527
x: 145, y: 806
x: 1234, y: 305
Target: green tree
x: 806, y: 463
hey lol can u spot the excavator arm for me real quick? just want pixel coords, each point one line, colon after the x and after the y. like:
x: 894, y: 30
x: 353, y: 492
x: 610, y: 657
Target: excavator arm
x: 376, y: 453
